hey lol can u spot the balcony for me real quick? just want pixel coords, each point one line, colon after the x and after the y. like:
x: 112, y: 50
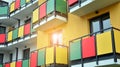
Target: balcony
x: 47, y: 56
x: 83, y: 7
x: 19, y: 8
x: 18, y: 37
x: 96, y: 49
x: 50, y: 14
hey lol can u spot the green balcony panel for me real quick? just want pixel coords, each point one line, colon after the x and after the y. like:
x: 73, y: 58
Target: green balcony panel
x: 22, y: 3
x: 1, y: 65
x: 4, y: 10
x: 75, y: 48
x: 50, y: 6
x: 25, y: 63
x: 61, y: 6
x: 41, y: 57
x: 15, y: 33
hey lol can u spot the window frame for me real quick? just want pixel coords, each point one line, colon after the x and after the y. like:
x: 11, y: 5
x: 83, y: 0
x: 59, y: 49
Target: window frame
x: 4, y: 29
x: 25, y: 55
x: 2, y: 57
x: 100, y: 18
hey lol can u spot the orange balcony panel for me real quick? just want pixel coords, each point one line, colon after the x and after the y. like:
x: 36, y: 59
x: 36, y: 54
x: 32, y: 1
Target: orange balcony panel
x: 88, y: 47
x: 33, y: 59
x: 2, y: 38
x: 19, y: 64
x: 7, y: 65
x: 71, y: 2
x: 42, y: 10
x: 17, y: 4
x: 27, y: 29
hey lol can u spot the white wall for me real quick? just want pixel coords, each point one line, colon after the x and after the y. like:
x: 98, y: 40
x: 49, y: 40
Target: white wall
x: 5, y: 58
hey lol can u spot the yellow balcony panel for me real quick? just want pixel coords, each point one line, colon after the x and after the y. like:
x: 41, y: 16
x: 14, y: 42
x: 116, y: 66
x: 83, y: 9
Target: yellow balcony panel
x: 104, y: 43
x: 50, y: 55
x: 60, y: 55
x: 41, y: 2
x: 35, y: 16
x: 51, y: 22
x: 12, y: 6
x: 88, y: 6
x: 21, y: 31
x: 10, y: 36
x: 117, y: 40
x: 12, y: 64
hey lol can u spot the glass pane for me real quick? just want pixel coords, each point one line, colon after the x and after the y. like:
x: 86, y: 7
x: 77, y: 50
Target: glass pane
x: 106, y: 23
x: 95, y: 26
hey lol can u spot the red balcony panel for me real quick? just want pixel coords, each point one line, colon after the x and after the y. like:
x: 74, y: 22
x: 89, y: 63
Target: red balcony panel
x: 2, y: 38
x: 19, y: 64
x: 71, y: 2
x: 42, y: 10
x: 33, y: 59
x: 88, y: 47
x: 7, y: 65
x: 17, y: 4
x: 27, y: 29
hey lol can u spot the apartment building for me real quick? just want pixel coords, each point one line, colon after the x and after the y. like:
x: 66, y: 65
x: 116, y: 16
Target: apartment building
x: 59, y: 33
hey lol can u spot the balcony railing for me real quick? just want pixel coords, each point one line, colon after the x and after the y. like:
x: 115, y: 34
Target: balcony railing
x: 50, y: 14
x: 19, y: 34
x: 47, y: 56
x: 95, y: 47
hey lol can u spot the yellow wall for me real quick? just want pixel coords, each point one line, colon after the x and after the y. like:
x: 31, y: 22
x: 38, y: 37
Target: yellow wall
x: 79, y: 26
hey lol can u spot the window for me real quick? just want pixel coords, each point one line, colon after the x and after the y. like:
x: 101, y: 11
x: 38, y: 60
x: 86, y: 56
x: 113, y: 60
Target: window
x: 11, y: 55
x: 1, y: 58
x: 57, y: 38
x: 2, y: 30
x: 26, y: 53
x: 100, y: 23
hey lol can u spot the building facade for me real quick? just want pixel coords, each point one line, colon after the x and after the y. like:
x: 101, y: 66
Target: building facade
x: 59, y: 33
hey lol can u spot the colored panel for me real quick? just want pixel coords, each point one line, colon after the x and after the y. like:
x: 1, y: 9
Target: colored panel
x: 104, y: 44
x: 71, y: 2
x: 117, y: 40
x: 41, y: 2
x: 25, y: 63
x: 7, y: 65
x: 12, y: 7
x: 2, y: 38
x: 33, y: 59
x: 35, y: 15
x: 41, y: 57
x: 1, y: 65
x: 20, y: 31
x: 17, y: 4
x: 61, y: 6
x: 50, y: 6
x: 42, y: 10
x: 27, y: 29
x: 27, y: 1
x: 4, y: 10
x: 75, y: 48
x: 15, y: 33
x: 19, y: 64
x: 10, y: 36
x: 88, y: 47
x: 22, y: 2
x: 12, y: 64
x: 50, y: 55
x: 61, y: 55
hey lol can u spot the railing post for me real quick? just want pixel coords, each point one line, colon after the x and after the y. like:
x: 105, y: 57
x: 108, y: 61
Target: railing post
x: 96, y: 50
x: 113, y: 45
x: 82, y: 63
x: 69, y: 62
